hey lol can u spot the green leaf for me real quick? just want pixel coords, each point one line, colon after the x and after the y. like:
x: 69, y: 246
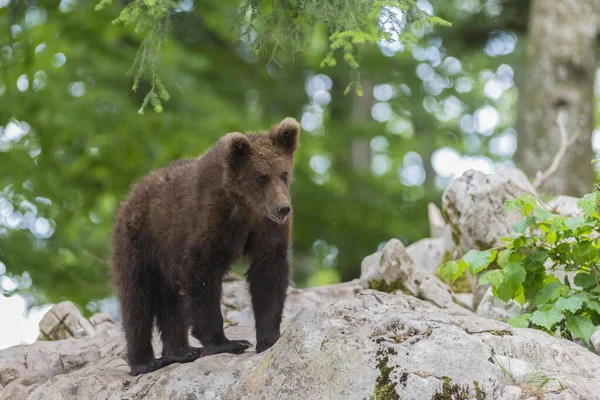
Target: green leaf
x: 539, y: 256
x: 520, y: 295
x: 511, y: 205
x: 494, y: 277
x: 593, y: 305
x: 581, y: 327
x: 574, y: 223
x: 582, y: 249
x: 549, y: 293
x: 451, y: 270
x: 551, y: 237
x: 585, y: 280
x: 515, y: 256
x: 546, y: 319
x: 479, y: 260
x: 588, y: 203
x: 520, y: 321
x: 541, y: 214
x: 571, y: 303
x: 514, y: 273
x: 528, y: 203
x: 521, y: 226
x: 503, y: 257
x: 506, y: 291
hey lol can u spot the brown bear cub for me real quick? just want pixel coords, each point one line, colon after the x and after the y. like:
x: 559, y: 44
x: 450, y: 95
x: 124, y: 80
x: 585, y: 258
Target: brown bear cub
x: 182, y: 227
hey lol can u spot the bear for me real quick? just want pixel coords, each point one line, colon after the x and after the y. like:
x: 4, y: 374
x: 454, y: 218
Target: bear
x: 180, y: 229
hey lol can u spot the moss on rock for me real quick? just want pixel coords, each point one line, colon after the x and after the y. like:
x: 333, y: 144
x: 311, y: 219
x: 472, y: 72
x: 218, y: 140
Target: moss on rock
x: 385, y: 388
x: 383, y: 286
x: 454, y: 391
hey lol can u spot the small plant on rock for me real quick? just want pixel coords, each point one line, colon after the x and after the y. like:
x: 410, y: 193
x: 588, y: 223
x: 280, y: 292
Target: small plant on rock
x: 553, y: 265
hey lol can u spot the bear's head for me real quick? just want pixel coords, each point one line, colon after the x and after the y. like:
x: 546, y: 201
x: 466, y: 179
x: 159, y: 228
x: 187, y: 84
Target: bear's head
x: 259, y: 169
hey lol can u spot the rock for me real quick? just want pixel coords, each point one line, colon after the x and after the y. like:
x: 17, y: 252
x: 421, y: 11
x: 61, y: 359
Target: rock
x: 430, y: 253
x: 437, y: 224
x: 494, y: 308
x: 104, y: 325
x: 566, y: 206
x: 596, y: 340
x: 427, y: 253
x: 474, y: 207
x: 466, y: 300
x: 392, y: 269
x: 369, y: 344
x: 237, y: 308
x: 64, y: 321
x: 384, y: 269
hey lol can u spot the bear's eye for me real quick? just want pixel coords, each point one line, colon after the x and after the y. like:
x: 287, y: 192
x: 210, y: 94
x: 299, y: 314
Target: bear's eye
x: 262, y: 179
x: 285, y: 177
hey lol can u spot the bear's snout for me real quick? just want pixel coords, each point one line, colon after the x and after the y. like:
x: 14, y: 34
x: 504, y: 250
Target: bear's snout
x: 284, y: 209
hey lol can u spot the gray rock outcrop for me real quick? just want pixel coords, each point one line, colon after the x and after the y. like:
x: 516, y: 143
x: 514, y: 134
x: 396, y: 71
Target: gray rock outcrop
x: 64, y: 321
x: 392, y: 269
x: 368, y: 344
x: 474, y: 207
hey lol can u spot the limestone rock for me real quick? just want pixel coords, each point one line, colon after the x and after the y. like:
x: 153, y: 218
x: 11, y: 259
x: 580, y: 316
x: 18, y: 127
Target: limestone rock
x: 437, y: 224
x: 466, y: 300
x: 566, y: 206
x: 369, y: 344
x: 596, y: 340
x: 237, y: 308
x: 430, y: 253
x: 393, y: 269
x: 474, y: 207
x: 64, y: 321
x: 387, y: 267
x: 104, y: 325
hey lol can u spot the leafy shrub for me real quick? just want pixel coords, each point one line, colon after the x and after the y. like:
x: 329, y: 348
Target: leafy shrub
x: 527, y: 268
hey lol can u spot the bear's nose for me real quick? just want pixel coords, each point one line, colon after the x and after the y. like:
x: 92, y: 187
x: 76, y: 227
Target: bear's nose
x: 284, y: 210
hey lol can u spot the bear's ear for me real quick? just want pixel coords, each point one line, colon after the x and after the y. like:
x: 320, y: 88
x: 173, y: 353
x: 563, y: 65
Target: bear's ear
x: 285, y: 134
x: 238, y: 149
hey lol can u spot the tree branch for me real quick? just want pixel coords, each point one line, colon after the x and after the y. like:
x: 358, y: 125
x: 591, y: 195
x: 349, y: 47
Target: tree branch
x: 565, y: 143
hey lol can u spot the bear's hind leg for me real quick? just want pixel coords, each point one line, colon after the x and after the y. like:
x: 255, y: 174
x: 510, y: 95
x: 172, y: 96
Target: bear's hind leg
x: 138, y: 317
x: 174, y: 331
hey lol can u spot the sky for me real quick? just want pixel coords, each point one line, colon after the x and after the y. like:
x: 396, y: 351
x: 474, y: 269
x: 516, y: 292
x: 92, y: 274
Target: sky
x: 19, y: 326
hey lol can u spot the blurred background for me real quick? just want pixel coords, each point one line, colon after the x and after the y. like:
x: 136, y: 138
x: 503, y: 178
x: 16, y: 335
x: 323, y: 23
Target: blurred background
x: 72, y: 140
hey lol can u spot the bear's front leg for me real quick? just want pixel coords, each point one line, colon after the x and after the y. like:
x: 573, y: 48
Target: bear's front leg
x: 202, y: 303
x: 268, y: 278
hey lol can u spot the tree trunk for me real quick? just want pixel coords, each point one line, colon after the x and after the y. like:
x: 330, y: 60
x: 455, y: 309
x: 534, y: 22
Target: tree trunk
x: 561, y: 69
x: 361, y: 114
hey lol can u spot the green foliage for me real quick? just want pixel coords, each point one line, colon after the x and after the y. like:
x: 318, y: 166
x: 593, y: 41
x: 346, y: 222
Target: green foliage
x: 494, y: 277
x: 520, y: 321
x: 267, y: 26
x: 452, y: 270
x: 528, y: 268
x: 478, y: 260
x: 153, y: 17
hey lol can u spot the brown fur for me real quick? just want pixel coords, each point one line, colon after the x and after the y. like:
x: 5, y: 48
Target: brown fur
x: 182, y: 227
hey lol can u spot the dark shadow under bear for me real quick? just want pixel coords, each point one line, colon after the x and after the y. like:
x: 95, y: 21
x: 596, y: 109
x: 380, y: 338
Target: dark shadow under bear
x: 180, y: 230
